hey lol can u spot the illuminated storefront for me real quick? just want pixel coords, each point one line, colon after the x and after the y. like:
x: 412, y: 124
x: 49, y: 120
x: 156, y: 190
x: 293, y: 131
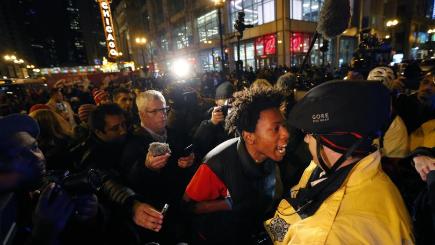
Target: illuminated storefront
x: 258, y: 53
x: 299, y: 45
x: 209, y: 59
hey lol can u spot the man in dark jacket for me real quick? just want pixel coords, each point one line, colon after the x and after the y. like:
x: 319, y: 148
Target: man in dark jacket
x: 160, y: 179
x: 53, y: 217
x: 239, y: 183
x: 102, y: 151
x: 419, y: 107
x: 124, y: 99
x: 211, y: 132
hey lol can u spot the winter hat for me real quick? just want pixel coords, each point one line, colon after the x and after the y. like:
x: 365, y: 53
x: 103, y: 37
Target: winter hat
x: 39, y: 107
x: 84, y: 111
x: 224, y: 91
x: 14, y: 123
x: 99, y: 95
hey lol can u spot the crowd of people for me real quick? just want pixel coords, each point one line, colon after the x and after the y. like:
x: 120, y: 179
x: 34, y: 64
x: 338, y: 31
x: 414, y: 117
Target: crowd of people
x: 276, y: 156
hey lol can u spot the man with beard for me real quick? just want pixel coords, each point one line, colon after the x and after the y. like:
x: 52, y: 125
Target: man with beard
x: 26, y: 217
x: 239, y: 183
x: 419, y: 107
x: 124, y: 99
x: 102, y: 151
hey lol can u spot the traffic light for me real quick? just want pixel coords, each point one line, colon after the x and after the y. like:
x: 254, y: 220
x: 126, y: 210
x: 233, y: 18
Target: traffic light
x: 240, y: 25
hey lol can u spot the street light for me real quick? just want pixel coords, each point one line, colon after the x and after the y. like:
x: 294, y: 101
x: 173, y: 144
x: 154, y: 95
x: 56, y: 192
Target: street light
x: 220, y: 4
x: 141, y: 41
x: 391, y: 24
x: 14, y: 60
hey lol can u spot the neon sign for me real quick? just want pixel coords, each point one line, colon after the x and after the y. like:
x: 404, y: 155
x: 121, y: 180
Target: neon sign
x: 109, y: 32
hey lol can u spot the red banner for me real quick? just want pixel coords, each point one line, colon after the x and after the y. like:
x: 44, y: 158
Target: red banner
x: 297, y: 42
x: 269, y: 44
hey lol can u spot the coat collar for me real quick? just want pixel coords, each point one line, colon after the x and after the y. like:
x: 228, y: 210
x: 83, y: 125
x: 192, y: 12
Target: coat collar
x: 251, y: 168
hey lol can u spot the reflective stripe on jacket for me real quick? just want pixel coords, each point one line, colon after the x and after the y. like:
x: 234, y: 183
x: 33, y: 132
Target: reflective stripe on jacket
x: 366, y: 209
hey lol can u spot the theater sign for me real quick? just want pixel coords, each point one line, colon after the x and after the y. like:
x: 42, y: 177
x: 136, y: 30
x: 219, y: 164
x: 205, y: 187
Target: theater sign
x: 106, y: 16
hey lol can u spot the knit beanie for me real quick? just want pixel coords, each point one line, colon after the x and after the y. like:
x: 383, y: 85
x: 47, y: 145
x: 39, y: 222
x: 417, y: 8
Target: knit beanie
x: 99, y: 95
x: 85, y: 110
x: 224, y: 91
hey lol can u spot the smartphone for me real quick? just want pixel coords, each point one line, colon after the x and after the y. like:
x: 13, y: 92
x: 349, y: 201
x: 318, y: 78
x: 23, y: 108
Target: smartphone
x: 60, y: 106
x: 188, y: 150
x: 165, y: 209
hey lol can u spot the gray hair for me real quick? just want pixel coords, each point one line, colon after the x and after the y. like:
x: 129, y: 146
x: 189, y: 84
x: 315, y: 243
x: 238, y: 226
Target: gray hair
x: 144, y: 97
x: 287, y: 82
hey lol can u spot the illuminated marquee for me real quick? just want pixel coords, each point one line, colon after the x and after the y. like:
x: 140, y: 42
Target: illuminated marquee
x: 106, y: 15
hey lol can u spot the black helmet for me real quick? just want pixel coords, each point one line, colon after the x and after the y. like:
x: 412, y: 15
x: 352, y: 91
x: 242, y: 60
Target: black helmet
x: 343, y: 106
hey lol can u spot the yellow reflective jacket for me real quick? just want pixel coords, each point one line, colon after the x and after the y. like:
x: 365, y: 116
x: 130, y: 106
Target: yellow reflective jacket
x: 423, y: 136
x: 366, y: 209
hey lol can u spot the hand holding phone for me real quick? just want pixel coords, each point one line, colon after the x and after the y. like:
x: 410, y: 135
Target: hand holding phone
x: 188, y: 150
x: 164, y: 209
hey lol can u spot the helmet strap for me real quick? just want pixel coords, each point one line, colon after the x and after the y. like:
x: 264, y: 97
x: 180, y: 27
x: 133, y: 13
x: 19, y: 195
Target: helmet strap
x: 340, y: 161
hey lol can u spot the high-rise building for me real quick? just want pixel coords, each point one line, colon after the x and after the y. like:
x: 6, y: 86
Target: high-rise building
x: 50, y: 33
x: 13, y: 39
x: 93, y: 32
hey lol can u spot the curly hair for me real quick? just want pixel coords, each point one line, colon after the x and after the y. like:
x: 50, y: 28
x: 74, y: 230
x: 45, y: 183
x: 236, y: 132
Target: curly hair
x: 247, y: 106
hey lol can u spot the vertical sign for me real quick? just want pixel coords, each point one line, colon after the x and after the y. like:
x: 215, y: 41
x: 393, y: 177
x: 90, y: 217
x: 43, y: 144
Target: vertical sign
x: 106, y: 16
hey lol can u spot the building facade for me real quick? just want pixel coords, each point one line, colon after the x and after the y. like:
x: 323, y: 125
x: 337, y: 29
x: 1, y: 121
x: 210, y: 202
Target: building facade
x: 282, y: 32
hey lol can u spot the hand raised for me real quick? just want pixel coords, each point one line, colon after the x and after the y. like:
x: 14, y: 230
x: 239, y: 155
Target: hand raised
x: 217, y: 115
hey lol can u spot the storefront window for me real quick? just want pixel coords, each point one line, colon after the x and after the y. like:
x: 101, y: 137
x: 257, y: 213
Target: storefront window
x: 265, y: 45
x: 259, y: 52
x: 257, y: 12
x: 250, y: 55
x: 247, y: 54
x: 307, y: 10
x: 299, y: 46
x: 209, y: 60
x: 208, y: 27
x: 347, y: 48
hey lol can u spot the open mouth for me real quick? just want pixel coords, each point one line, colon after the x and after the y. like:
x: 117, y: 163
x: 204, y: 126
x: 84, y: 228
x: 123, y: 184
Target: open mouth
x: 281, y: 149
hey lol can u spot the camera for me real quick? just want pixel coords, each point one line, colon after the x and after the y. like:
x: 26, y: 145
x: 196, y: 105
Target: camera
x: 225, y: 109
x: 86, y: 182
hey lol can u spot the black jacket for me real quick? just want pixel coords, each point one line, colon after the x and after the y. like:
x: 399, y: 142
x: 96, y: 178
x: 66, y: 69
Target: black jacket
x: 208, y: 136
x: 255, y: 190
x: 158, y: 187
x: 104, y: 157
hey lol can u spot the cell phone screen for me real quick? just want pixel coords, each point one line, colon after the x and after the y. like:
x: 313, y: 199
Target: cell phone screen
x: 165, y: 209
x: 188, y: 150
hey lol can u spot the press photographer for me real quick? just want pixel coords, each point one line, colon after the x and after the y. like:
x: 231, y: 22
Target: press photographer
x: 211, y: 132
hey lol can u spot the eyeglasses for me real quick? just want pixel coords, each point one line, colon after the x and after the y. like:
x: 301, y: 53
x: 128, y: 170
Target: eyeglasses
x: 163, y: 110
